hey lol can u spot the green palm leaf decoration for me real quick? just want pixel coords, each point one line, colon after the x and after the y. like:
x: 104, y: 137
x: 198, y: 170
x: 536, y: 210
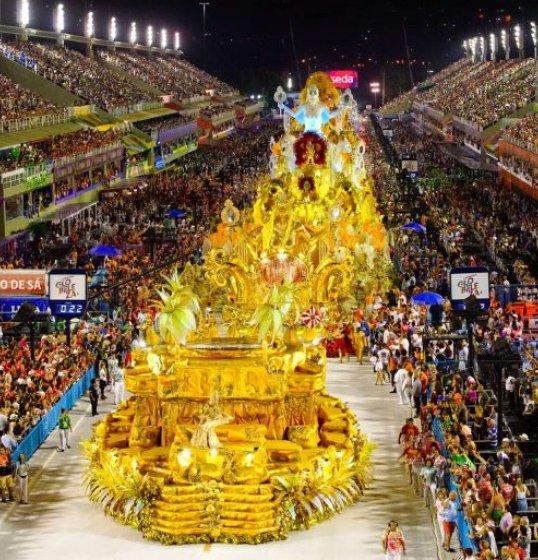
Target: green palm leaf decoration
x: 178, y: 307
x: 282, y: 302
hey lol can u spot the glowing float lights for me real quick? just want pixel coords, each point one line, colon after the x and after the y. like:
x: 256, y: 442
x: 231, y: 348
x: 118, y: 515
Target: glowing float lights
x: 164, y: 39
x: 133, y: 34
x: 59, y: 19
x: 177, y: 41
x: 23, y: 13
x: 184, y: 458
x: 113, y: 30
x: 149, y: 36
x: 90, y: 26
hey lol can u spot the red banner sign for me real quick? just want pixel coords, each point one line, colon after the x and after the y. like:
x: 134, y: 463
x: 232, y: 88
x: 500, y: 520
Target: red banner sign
x: 344, y: 78
x: 23, y: 283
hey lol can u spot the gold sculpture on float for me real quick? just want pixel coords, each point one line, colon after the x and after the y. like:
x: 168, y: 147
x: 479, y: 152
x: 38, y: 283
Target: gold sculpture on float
x: 230, y: 435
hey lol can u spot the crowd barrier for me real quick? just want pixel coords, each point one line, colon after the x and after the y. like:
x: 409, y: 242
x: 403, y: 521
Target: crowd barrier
x: 462, y: 523
x: 37, y: 435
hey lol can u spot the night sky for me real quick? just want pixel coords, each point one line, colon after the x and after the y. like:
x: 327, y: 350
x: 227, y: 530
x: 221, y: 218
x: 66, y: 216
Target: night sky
x: 250, y: 38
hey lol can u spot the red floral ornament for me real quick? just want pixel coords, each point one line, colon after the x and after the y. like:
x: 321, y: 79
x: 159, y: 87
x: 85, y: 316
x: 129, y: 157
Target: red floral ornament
x: 310, y: 148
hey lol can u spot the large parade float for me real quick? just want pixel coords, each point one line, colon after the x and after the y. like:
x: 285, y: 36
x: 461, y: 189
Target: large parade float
x: 230, y: 434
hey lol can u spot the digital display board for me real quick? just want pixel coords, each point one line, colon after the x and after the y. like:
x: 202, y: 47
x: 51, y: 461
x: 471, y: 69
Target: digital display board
x: 68, y: 292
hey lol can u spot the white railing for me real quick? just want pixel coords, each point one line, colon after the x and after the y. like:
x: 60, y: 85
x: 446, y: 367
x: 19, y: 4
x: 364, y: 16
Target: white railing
x: 137, y: 107
x: 524, y: 145
x: 18, y: 176
x: 80, y: 157
x: 15, y: 125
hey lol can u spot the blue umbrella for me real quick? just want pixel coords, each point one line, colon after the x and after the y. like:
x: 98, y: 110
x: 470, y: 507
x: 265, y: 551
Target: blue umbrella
x: 414, y: 226
x: 105, y: 251
x: 428, y: 298
x: 176, y: 214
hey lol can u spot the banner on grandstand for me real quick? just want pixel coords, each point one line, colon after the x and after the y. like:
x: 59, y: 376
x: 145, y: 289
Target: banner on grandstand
x: 23, y: 283
x: 469, y: 281
x: 10, y: 306
x: 344, y: 78
x: 68, y: 291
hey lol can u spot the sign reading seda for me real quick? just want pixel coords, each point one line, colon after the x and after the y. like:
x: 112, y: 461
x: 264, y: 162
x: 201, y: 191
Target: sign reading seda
x: 344, y: 78
x: 23, y: 282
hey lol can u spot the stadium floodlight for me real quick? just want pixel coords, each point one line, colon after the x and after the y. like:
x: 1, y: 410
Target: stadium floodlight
x: 90, y: 27
x: 482, y: 42
x: 23, y: 13
x: 493, y: 46
x: 505, y: 43
x: 465, y: 47
x: 112, y: 30
x: 518, y: 36
x: 59, y: 18
x: 177, y: 41
x: 375, y: 88
x: 149, y: 36
x: 164, y: 39
x: 132, y: 34
x: 473, y: 45
x: 534, y: 35
x: 290, y: 83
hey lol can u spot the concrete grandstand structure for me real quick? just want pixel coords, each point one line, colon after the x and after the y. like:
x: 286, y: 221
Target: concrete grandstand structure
x: 81, y: 115
x: 483, y: 111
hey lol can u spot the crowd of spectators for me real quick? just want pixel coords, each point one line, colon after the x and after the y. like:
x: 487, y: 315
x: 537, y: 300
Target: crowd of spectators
x: 20, y: 103
x: 501, y: 92
x: 214, y: 110
x: 457, y: 459
x: 170, y: 75
x: 29, y: 387
x: 526, y: 131
x: 161, y: 124
x: 82, y: 76
x: 64, y: 145
x: 480, y: 93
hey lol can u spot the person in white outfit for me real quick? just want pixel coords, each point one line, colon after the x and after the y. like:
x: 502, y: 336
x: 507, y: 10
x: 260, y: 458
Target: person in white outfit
x: 399, y: 379
x: 119, y: 385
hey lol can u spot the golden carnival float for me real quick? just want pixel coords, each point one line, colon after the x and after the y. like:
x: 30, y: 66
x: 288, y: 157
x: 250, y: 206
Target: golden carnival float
x: 230, y: 434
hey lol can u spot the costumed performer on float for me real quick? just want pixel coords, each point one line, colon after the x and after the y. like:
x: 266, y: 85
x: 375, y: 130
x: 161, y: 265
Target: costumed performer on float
x: 313, y: 114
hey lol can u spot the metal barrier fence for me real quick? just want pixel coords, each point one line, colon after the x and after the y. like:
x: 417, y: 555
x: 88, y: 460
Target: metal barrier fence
x: 462, y: 523
x: 37, y: 435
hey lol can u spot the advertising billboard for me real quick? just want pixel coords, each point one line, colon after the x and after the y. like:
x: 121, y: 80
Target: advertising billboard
x: 22, y: 283
x: 469, y: 281
x: 344, y: 78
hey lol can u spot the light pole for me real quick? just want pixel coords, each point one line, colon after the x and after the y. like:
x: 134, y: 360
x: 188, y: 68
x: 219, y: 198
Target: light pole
x: 375, y: 88
x: 204, y: 23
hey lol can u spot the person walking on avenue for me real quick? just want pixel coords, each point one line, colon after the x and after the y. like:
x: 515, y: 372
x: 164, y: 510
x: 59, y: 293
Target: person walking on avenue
x: 359, y: 341
x: 393, y: 542
x: 21, y: 473
x: 64, y: 427
x: 94, y: 397
x: 103, y: 380
x: 119, y: 385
